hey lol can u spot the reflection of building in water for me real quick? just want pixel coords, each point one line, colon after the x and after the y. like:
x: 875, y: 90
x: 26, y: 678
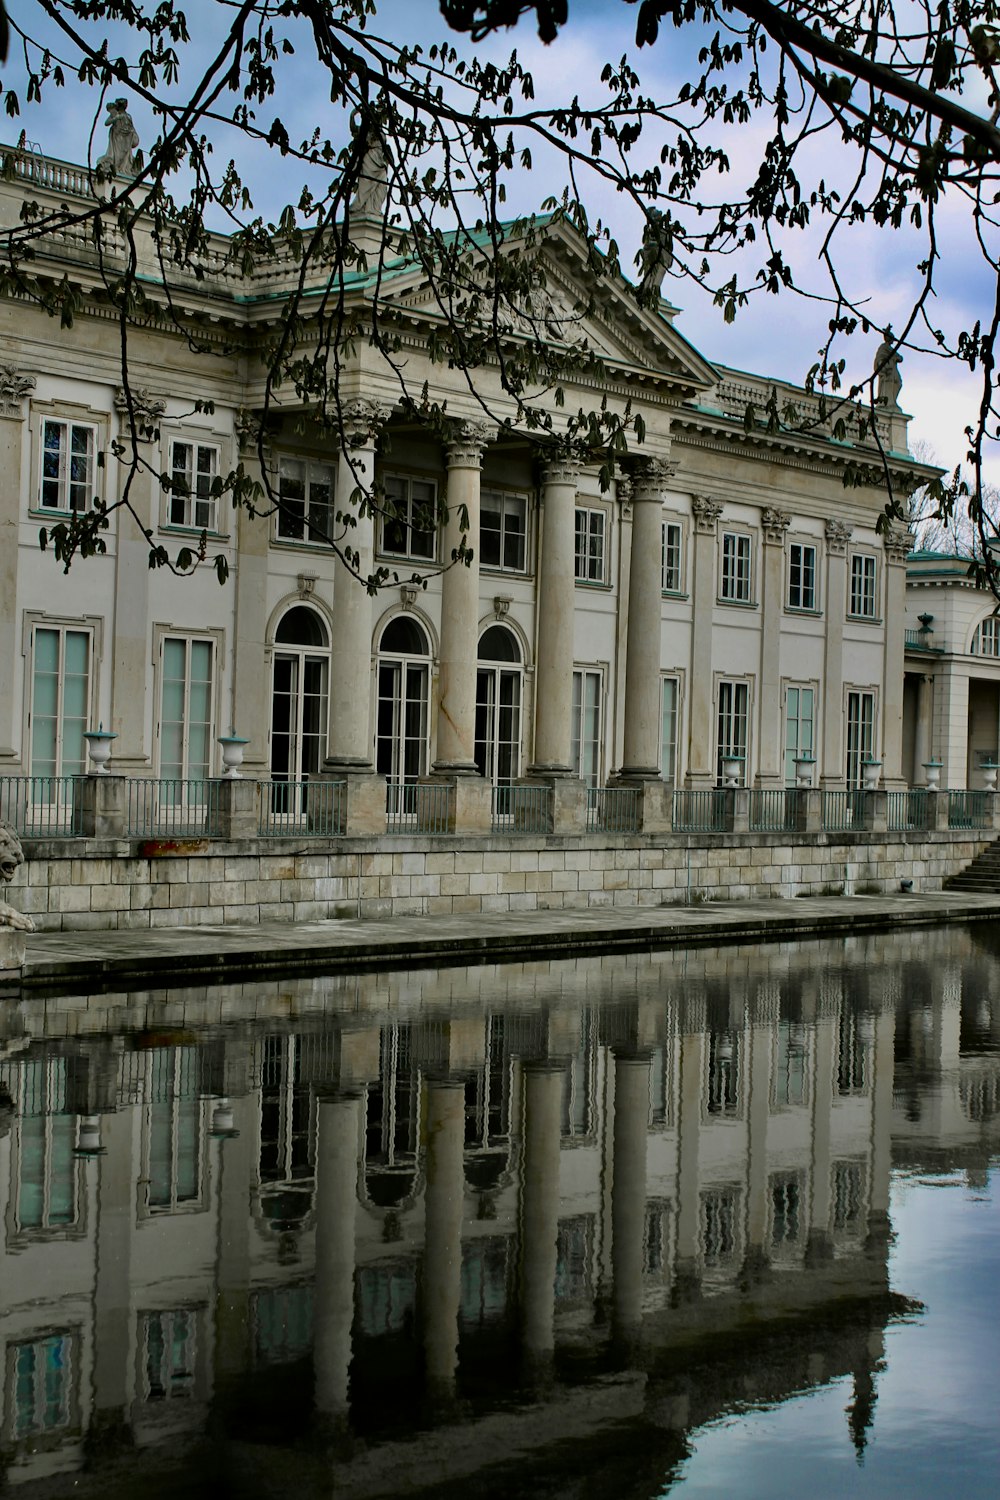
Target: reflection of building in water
x: 346, y: 1210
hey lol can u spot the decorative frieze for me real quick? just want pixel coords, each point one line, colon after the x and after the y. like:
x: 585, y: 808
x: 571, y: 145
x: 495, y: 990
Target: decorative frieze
x: 838, y: 534
x: 139, y: 413
x: 15, y: 389
x: 464, y: 449
x: 706, y: 514
x: 898, y: 543
x: 774, y: 524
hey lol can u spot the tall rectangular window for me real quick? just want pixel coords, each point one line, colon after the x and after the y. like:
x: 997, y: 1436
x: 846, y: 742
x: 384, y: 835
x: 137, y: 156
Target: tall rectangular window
x: 590, y: 548
x: 41, y: 1385
x: 305, y: 493
x: 409, y: 529
x: 735, y: 584
x: 586, y: 746
x: 169, y: 1354
x: 668, y: 728
x: 799, y: 727
x: 186, y: 709
x: 671, y: 558
x: 68, y: 465
x: 801, y: 576
x: 194, y: 470
x: 732, y: 726
x: 860, y: 735
x: 174, y: 1127
x: 47, y: 1169
x: 60, y: 700
x: 503, y: 527
x: 863, y: 597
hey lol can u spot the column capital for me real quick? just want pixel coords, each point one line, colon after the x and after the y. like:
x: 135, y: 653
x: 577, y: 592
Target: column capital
x: 362, y: 419
x: 564, y: 470
x: 651, y: 477
x: 898, y: 543
x: 15, y: 388
x: 465, y: 443
x: 838, y: 534
x: 706, y: 513
x: 247, y: 426
x: 774, y: 523
x: 145, y: 416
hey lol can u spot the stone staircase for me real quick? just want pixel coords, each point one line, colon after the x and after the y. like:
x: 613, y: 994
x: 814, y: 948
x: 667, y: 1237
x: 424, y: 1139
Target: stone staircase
x: 982, y: 875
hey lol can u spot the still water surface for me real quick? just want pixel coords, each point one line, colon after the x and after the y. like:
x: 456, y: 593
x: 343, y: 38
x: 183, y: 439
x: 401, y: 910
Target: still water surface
x: 703, y: 1224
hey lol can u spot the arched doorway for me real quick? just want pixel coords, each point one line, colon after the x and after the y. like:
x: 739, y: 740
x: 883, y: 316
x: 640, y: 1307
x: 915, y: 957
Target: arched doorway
x: 299, y: 688
x: 401, y: 714
x: 498, y: 709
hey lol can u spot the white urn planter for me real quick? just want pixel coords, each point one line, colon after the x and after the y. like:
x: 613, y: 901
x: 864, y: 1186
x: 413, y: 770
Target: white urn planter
x: 989, y: 769
x: 99, y: 749
x: 232, y: 754
x: 870, y: 770
x: 804, y: 770
x: 732, y: 766
x: 932, y: 774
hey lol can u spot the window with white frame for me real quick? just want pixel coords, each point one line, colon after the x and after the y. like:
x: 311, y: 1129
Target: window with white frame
x: 801, y: 576
x: 68, y: 465
x: 863, y: 591
x: 173, y: 1128
x: 787, y: 1204
x: 168, y: 1354
x: 671, y: 557
x: 590, y: 545
x: 586, y: 740
x: 668, y: 728
x: 860, y: 735
x: 186, y: 693
x: 800, y: 710
x: 60, y: 700
x: 47, y: 1136
x: 734, y: 699
x: 409, y: 529
x: 503, y: 530
x: 735, y: 584
x: 986, y: 641
x: 41, y: 1384
x: 305, y: 493
x: 194, y: 474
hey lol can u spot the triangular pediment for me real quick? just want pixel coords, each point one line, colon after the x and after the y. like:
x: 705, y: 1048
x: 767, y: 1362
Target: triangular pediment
x: 573, y: 307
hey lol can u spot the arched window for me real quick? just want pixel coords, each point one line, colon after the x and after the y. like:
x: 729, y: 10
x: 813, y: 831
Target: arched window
x: 986, y: 641
x: 299, y: 688
x: 401, y: 713
x: 498, y: 707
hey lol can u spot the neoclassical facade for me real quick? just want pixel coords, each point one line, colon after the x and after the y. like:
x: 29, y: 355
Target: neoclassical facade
x: 728, y: 595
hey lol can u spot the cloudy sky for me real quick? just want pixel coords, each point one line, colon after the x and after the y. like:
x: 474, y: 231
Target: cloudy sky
x: 777, y: 337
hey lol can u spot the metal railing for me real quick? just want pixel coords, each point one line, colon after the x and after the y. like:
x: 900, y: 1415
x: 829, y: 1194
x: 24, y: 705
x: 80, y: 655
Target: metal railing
x: 419, y: 807
x: 772, y: 810
x: 967, y: 809
x: 314, y: 808
x: 171, y: 808
x: 612, y: 809
x: 910, y: 809
x: 522, y: 809
x: 698, y: 811
x: 921, y: 640
x: 39, y: 807
x: 843, y: 812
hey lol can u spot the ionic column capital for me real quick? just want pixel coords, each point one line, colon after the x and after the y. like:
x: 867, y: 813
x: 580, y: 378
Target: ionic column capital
x: 838, y: 534
x: 139, y: 413
x: 361, y: 420
x: 651, y: 477
x: 15, y: 389
x: 465, y: 444
x: 561, y: 471
x: 898, y: 543
x: 706, y: 513
x: 774, y: 524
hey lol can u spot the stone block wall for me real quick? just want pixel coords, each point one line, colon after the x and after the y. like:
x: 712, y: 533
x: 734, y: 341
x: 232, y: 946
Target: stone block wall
x: 84, y: 885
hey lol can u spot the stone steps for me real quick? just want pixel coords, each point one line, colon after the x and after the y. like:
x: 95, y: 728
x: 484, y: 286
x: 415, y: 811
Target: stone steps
x: 982, y: 875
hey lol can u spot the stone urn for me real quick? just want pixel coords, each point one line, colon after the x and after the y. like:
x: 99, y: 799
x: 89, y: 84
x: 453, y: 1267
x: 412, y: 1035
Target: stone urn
x: 732, y: 767
x: 932, y: 774
x: 232, y: 754
x: 804, y: 770
x: 989, y: 769
x: 870, y: 769
x: 99, y: 749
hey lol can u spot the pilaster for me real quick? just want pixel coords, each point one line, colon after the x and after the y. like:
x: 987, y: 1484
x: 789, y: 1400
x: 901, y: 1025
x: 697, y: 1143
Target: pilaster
x: 898, y: 544
x: 15, y: 389
x: 251, y: 707
x: 774, y: 524
x: 701, y: 734
x: 832, y: 767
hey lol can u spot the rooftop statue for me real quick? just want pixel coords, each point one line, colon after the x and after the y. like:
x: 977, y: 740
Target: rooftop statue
x: 122, y: 158
x: 11, y: 856
x: 887, y: 363
x: 373, y: 182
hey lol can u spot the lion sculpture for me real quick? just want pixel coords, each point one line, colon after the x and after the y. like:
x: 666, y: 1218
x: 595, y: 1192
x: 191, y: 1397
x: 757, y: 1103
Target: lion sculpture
x: 11, y: 855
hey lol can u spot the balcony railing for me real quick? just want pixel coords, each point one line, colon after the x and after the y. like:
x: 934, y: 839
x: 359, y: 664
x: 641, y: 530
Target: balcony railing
x: 419, y: 807
x: 39, y: 807
x: 908, y: 809
x: 612, y: 809
x: 967, y: 809
x: 698, y: 811
x: 843, y: 812
x: 313, y: 808
x: 522, y: 809
x: 171, y: 808
x: 772, y: 811
x: 922, y: 640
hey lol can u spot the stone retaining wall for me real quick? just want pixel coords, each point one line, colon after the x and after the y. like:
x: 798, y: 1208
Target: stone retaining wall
x: 83, y: 885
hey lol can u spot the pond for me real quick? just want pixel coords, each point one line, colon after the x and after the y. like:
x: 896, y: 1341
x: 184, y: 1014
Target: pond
x: 722, y: 1222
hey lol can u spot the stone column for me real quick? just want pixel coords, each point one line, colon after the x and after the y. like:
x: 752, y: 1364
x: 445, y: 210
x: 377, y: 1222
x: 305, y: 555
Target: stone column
x: 771, y: 752
x: 336, y: 1197
x: 701, y: 731
x: 130, y: 646
x: 923, y: 741
x: 543, y: 1083
x: 250, y: 709
x: 556, y: 595
x: 832, y: 765
x: 456, y: 709
x: 898, y: 545
x: 15, y: 389
x: 628, y: 1198
x: 951, y: 723
x: 443, y: 1201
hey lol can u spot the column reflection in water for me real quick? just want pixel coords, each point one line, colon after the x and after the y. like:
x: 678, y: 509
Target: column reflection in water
x: 628, y: 1197
x: 338, y: 1125
x: 443, y: 1204
x: 543, y: 1089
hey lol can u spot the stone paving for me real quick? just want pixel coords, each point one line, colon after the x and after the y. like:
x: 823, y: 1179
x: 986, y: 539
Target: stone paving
x: 182, y: 954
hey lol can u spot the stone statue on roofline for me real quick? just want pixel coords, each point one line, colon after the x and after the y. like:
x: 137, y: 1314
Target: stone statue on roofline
x: 122, y: 158
x: 373, y: 181
x: 887, y: 362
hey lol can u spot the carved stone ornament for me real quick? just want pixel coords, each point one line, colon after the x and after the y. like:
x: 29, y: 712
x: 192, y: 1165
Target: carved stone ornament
x: 11, y: 855
x: 15, y: 388
x: 307, y: 585
x: 361, y: 421
x: 408, y: 595
x: 501, y: 605
x: 147, y: 412
x: 706, y: 514
x: 561, y: 471
x: 623, y: 487
x: 246, y: 425
x: 898, y: 543
x: 838, y: 534
x: 651, y: 477
x: 774, y: 523
x: 465, y: 446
